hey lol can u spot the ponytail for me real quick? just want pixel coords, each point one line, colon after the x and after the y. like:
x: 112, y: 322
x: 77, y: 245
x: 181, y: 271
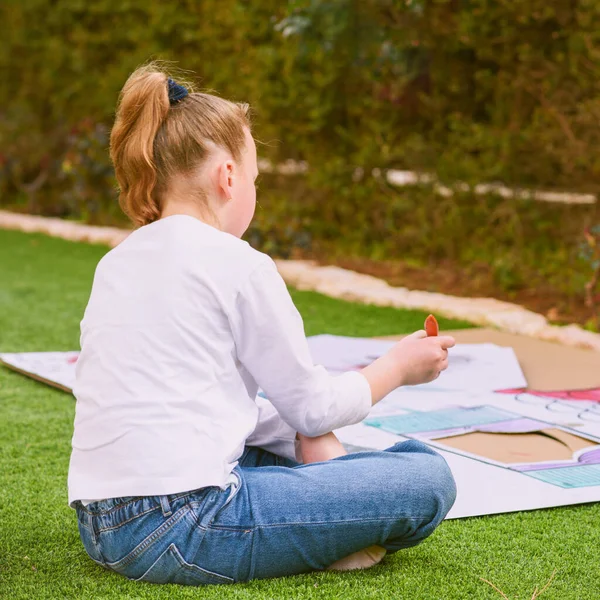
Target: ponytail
x: 143, y: 106
x: 153, y: 139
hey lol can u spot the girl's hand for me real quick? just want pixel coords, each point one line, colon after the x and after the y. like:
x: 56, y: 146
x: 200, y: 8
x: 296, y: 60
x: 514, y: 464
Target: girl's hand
x: 419, y: 358
x: 414, y: 360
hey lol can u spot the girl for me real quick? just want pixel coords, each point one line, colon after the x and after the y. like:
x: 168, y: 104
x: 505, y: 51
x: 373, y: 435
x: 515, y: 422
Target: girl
x: 179, y: 473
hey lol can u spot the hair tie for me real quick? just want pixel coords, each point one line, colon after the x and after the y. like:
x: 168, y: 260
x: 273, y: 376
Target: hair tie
x: 176, y: 92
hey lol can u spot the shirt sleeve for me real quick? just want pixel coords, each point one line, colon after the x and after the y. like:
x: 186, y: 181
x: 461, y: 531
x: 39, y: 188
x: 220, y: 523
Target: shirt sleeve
x: 270, y: 343
x: 272, y: 433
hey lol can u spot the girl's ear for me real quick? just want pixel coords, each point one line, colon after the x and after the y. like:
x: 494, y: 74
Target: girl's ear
x: 225, y: 179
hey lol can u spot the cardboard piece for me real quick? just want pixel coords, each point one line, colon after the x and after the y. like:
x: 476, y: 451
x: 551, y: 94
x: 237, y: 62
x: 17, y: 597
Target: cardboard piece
x: 510, y: 448
x: 547, y: 366
x: 507, y: 452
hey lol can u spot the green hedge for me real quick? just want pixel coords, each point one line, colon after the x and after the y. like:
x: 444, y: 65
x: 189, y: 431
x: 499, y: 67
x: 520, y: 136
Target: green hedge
x: 521, y: 245
x: 473, y: 90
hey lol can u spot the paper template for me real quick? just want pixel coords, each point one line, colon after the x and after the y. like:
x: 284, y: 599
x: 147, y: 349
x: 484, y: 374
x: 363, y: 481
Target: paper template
x: 509, y: 448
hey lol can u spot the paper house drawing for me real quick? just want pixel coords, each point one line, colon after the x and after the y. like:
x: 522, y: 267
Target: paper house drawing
x: 548, y: 452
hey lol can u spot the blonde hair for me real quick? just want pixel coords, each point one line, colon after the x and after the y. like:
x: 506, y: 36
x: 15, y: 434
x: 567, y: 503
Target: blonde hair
x: 152, y: 140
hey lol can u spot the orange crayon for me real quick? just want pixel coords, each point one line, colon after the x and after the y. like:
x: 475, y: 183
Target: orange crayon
x: 431, y: 326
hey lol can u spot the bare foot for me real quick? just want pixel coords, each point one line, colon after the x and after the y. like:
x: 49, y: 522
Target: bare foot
x: 363, y: 559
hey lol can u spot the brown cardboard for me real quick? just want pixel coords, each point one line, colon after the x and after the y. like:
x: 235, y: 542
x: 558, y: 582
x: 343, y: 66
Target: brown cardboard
x: 509, y: 448
x: 547, y: 366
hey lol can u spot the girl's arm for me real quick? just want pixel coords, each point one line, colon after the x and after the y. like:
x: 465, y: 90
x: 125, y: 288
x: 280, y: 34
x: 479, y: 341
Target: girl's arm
x: 271, y: 344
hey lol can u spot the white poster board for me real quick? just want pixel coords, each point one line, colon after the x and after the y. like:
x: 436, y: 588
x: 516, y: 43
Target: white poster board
x: 510, y: 451
x: 54, y: 368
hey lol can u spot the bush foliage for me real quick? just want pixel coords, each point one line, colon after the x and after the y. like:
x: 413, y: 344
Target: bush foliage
x: 473, y: 90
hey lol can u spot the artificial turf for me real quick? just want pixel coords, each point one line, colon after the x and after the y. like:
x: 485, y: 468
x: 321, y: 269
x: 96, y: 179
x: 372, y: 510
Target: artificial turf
x: 44, y: 286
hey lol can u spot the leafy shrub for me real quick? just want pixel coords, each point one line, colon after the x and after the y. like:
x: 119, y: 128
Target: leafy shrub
x: 471, y: 90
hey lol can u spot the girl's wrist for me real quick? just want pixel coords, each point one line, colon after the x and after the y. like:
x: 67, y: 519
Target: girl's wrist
x: 383, y: 376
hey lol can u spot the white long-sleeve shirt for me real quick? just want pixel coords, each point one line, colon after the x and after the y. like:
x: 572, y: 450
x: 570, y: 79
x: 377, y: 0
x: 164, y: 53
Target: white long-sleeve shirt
x: 183, y: 325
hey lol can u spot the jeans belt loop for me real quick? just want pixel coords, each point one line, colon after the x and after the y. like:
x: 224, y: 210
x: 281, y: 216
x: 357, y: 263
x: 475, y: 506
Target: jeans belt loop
x: 165, y: 506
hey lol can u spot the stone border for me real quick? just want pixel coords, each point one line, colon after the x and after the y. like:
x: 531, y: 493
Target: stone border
x: 348, y: 285
x: 399, y: 178
x: 67, y: 230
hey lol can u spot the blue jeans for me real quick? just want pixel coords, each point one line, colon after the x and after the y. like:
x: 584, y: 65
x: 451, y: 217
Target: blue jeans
x: 282, y: 518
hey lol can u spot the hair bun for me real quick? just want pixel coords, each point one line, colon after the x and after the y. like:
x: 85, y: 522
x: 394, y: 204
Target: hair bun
x: 176, y: 92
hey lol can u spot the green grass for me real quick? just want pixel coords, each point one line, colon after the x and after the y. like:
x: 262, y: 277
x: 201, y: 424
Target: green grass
x: 44, y: 285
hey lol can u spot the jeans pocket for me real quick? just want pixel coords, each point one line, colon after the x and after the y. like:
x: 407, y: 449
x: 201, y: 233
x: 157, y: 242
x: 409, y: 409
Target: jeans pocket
x: 171, y: 567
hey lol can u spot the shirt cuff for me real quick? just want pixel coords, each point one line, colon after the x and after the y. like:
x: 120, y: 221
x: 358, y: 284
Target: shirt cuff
x: 356, y: 396
x: 272, y: 433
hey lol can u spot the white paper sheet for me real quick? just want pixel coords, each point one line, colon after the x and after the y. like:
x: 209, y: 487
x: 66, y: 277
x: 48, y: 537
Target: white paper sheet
x: 486, y: 486
x: 471, y: 366
x: 462, y: 400
x: 54, y: 368
x: 459, y: 402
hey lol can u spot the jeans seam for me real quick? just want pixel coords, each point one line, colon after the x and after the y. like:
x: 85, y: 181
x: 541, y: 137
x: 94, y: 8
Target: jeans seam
x: 309, y: 523
x: 145, y: 544
x: 233, y: 494
x: 407, y: 544
x: 112, y: 508
x: 253, y: 540
x: 95, y: 542
x: 136, y: 516
x: 216, y: 577
x: 173, y: 497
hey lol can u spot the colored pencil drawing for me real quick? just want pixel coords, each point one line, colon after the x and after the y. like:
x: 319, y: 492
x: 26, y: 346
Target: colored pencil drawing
x: 546, y: 451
